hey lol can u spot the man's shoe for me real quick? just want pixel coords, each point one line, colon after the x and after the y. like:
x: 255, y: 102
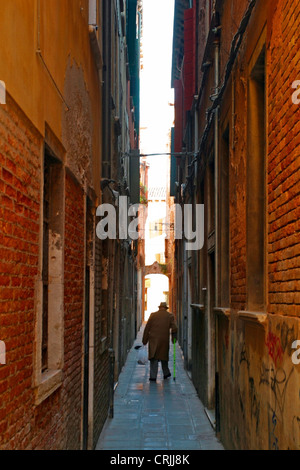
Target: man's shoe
x: 167, y: 376
x: 152, y: 380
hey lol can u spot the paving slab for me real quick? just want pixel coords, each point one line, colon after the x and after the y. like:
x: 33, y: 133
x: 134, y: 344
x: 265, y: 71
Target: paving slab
x: 166, y: 415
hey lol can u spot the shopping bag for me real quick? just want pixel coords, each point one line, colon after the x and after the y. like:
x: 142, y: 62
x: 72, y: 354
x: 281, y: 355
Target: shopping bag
x: 142, y: 356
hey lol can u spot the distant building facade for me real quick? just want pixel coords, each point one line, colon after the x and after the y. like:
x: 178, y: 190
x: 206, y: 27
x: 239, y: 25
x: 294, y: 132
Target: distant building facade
x: 237, y: 127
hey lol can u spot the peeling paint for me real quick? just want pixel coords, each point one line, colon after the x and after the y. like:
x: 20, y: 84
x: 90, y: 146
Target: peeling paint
x: 77, y: 125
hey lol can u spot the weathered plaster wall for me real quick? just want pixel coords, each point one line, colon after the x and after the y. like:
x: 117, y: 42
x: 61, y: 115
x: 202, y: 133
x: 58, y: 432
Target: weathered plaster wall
x: 259, y: 384
x: 77, y: 126
x: 43, y: 84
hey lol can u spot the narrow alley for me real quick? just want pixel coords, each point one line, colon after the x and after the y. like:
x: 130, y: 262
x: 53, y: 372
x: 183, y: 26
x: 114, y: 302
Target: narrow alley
x: 166, y: 415
x: 149, y: 159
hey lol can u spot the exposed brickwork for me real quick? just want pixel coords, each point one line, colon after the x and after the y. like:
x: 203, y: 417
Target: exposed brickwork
x: 73, y: 316
x: 56, y: 422
x: 283, y: 168
x: 62, y: 117
x: 237, y: 197
x: 258, y: 380
x: 247, y: 352
x: 101, y: 384
x: 101, y: 391
x: 48, y: 424
x: 20, y: 174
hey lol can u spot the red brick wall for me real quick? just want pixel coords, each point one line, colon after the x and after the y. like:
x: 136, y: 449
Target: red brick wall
x: 56, y: 422
x: 101, y: 366
x: 249, y: 352
x: 237, y: 188
x: 19, y: 237
x: 73, y: 309
x: 256, y: 372
x: 283, y: 163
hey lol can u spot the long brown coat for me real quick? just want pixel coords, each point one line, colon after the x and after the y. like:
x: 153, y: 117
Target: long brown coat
x: 157, y: 333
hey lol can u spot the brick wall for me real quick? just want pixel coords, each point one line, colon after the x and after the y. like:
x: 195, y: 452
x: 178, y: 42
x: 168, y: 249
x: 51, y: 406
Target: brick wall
x: 101, y: 368
x: 238, y: 164
x: 254, y: 351
x: 19, y: 245
x: 56, y: 422
x: 283, y: 167
x: 255, y: 365
x: 73, y: 308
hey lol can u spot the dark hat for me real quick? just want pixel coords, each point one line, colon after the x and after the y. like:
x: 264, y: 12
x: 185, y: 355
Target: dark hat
x: 163, y: 305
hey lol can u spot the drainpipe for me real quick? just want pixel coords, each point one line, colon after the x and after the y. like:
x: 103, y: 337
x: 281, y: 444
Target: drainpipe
x: 196, y: 148
x: 196, y: 144
x: 106, y: 99
x: 111, y: 353
x: 185, y: 304
x: 93, y: 13
x: 216, y: 152
x: 216, y: 156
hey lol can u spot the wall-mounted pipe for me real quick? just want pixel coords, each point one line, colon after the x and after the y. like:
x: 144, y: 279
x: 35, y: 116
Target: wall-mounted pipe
x: 217, y: 192
x: 216, y: 160
x: 93, y: 12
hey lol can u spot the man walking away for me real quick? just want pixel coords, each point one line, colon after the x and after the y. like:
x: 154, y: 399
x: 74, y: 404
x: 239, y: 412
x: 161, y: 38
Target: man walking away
x: 157, y: 333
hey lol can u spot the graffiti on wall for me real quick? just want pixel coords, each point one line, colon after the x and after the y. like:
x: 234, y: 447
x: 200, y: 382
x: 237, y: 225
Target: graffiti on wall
x: 265, y: 384
x: 277, y: 380
x: 276, y: 375
x: 274, y: 348
x: 254, y: 402
x: 244, y: 356
x: 287, y: 337
x: 250, y: 390
x: 272, y: 437
x: 278, y: 344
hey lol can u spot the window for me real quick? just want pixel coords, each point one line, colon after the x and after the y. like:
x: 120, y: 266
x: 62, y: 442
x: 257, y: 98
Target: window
x: 49, y: 350
x: 45, y: 270
x: 224, y: 220
x: 256, y: 184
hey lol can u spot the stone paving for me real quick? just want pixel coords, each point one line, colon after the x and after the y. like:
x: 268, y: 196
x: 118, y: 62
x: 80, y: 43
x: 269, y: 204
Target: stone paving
x: 166, y: 415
